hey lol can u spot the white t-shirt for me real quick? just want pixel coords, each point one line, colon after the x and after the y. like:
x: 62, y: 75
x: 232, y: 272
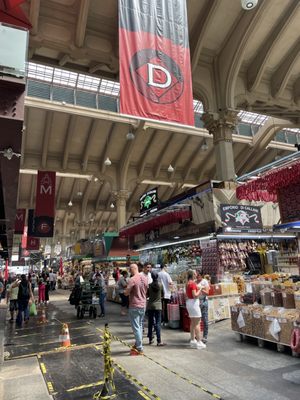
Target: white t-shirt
x: 203, y: 285
x: 148, y: 276
x: 165, y: 280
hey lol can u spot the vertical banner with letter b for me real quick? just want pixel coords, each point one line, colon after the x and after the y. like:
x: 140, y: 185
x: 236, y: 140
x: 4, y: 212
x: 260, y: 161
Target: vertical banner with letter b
x: 155, y: 67
x: 45, y: 204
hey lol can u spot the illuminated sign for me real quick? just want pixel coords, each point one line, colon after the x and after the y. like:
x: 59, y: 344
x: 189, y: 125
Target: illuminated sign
x: 149, y: 202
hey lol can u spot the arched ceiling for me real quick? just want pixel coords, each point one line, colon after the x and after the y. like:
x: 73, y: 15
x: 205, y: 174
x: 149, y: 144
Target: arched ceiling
x: 240, y: 59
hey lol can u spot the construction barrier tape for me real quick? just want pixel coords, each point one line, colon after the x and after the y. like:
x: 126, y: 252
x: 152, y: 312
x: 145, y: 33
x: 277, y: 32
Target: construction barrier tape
x: 216, y: 396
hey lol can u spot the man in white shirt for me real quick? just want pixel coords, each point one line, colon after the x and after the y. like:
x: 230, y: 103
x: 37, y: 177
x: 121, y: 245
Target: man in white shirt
x: 167, y: 283
x: 147, y: 268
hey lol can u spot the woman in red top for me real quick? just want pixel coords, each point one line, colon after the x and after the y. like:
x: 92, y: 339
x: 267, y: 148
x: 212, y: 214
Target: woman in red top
x: 193, y: 308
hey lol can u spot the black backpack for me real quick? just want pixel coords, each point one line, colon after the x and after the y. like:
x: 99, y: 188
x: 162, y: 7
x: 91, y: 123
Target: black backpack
x: 23, y: 293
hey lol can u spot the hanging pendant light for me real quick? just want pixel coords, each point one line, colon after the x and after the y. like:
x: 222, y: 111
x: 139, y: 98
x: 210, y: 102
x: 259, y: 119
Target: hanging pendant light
x: 170, y: 168
x: 107, y: 162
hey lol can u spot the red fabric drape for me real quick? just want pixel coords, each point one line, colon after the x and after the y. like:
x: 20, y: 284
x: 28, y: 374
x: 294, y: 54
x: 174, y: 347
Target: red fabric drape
x: 157, y: 222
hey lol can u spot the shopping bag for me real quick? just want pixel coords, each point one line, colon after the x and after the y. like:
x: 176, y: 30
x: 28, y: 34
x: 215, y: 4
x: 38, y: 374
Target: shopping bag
x: 32, y: 309
x: 240, y: 320
x: 274, y: 329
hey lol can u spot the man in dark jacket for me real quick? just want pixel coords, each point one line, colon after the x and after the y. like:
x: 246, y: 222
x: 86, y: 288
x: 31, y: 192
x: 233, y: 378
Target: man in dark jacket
x: 24, y: 295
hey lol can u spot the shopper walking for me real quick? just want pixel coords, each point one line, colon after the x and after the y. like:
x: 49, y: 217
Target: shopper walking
x: 204, y: 287
x: 137, y: 292
x: 154, y: 309
x: 167, y: 284
x: 122, y: 285
x: 100, y: 282
x: 24, y: 295
x: 12, y: 297
x: 41, y: 291
x: 193, y: 308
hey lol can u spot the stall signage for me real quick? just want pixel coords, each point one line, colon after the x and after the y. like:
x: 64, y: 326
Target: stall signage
x: 241, y: 218
x: 152, y: 235
x: 148, y: 202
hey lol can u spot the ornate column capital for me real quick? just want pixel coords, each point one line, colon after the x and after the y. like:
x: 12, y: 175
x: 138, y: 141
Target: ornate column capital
x: 121, y: 195
x: 221, y: 125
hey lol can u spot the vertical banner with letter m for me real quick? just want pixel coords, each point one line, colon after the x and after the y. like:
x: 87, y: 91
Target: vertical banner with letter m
x: 45, y: 204
x: 155, y: 67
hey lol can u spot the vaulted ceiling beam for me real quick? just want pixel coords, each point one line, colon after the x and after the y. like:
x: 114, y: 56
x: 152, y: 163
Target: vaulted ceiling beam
x: 147, y: 150
x: 109, y: 142
x: 260, y: 60
x: 89, y: 144
x: 84, y: 6
x: 283, y: 73
x: 46, y: 139
x: 58, y: 193
x: 67, y: 145
x: 161, y: 156
x: 34, y: 13
x: 200, y: 28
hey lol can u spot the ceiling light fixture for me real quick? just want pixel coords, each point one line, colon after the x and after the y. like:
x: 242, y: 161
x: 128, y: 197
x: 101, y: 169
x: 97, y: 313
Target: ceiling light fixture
x: 70, y: 203
x: 130, y: 136
x: 170, y: 168
x: 204, y: 146
x: 112, y: 205
x: 79, y: 194
x: 60, y: 174
x: 107, y: 162
x: 96, y: 179
x: 163, y: 183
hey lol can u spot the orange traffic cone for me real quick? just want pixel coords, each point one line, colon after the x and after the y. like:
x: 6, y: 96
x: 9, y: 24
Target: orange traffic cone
x: 64, y: 337
x: 43, y: 318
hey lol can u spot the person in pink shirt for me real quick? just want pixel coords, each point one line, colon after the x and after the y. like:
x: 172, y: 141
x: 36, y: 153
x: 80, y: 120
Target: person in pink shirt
x: 137, y: 291
x: 41, y: 291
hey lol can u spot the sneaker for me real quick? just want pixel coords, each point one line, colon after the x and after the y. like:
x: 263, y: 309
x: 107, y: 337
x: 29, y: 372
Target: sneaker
x: 204, y: 340
x: 193, y: 344
x: 136, y: 352
x: 161, y: 344
x: 200, y: 345
x: 151, y: 341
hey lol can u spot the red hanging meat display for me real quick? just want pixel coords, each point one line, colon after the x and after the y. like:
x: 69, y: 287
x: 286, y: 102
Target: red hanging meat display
x: 266, y: 186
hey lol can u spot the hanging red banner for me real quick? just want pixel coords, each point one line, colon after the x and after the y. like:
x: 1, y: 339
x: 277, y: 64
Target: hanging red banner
x: 155, y: 68
x: 32, y: 243
x: 45, y: 204
x: 20, y: 221
x: 11, y: 13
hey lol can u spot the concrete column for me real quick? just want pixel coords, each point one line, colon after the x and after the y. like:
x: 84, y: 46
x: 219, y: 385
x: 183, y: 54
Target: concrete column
x: 221, y: 125
x: 121, y: 197
x: 82, y: 231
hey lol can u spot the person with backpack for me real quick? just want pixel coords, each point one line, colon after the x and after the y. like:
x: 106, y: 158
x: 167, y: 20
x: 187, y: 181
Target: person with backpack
x: 24, y: 295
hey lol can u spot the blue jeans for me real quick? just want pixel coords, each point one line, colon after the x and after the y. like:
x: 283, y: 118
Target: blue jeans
x: 204, y: 313
x: 154, y: 320
x: 136, y: 316
x: 22, y: 308
x: 102, y: 297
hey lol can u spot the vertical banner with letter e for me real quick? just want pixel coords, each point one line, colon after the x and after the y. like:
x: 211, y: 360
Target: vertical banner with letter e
x: 155, y: 66
x: 45, y: 204
x: 20, y: 221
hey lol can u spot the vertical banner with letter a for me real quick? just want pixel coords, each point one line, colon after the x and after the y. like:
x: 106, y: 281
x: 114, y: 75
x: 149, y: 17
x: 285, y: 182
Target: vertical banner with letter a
x: 45, y: 204
x: 155, y: 67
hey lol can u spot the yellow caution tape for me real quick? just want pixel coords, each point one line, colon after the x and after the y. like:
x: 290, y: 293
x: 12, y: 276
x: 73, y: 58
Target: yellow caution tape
x: 43, y: 368
x: 74, y: 389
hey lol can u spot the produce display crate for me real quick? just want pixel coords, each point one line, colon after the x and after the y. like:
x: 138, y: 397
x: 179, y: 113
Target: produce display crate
x: 287, y: 327
x: 234, y: 311
x: 258, y: 325
x: 267, y: 335
x: 247, y: 315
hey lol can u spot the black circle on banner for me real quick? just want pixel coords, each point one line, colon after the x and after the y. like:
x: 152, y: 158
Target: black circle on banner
x: 167, y: 95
